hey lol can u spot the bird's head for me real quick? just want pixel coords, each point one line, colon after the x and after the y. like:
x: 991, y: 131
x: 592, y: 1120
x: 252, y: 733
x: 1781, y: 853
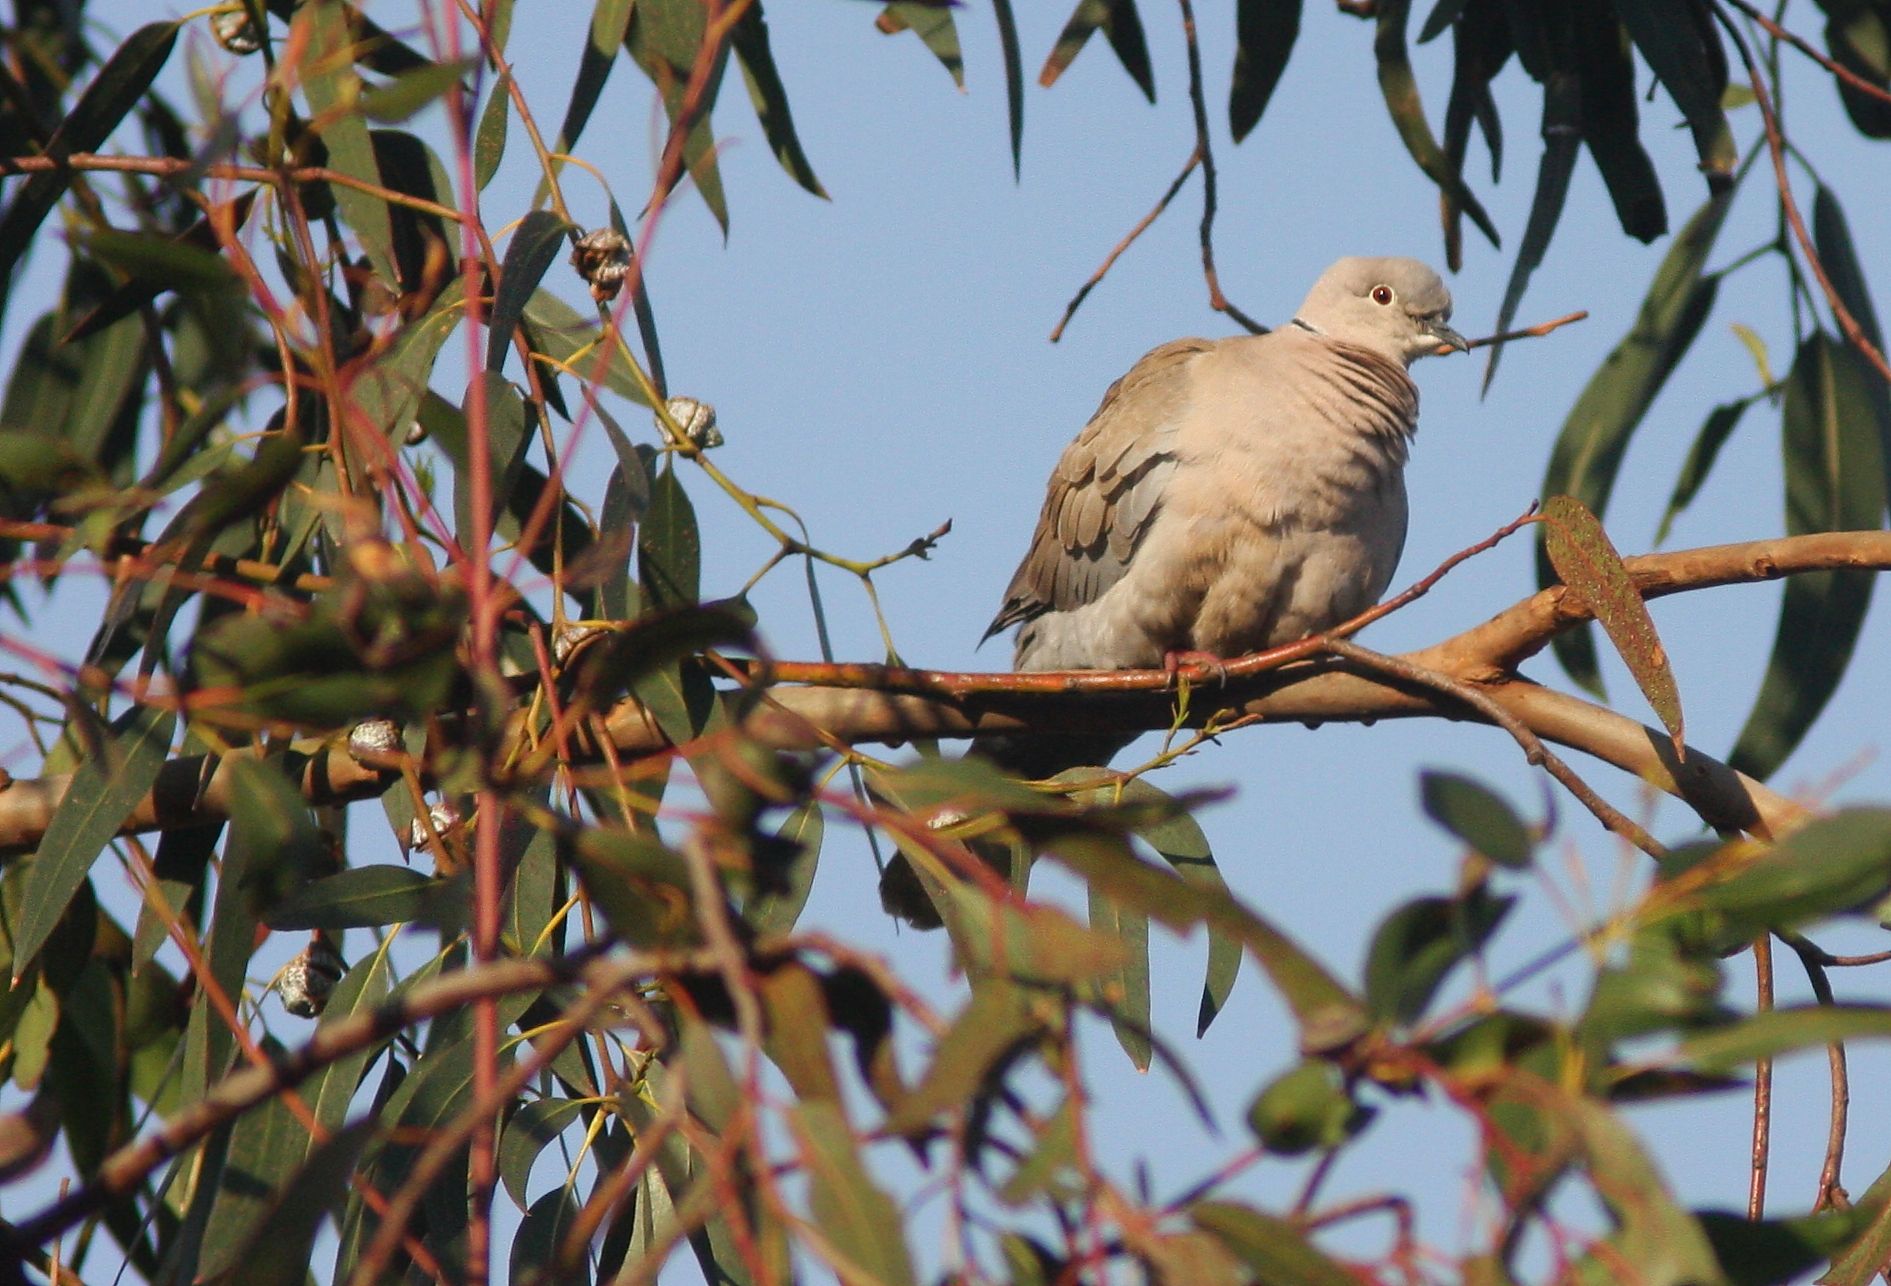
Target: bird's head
x: 1398, y: 307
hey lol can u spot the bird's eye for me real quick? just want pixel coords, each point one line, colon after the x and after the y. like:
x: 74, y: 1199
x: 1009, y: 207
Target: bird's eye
x: 1382, y: 294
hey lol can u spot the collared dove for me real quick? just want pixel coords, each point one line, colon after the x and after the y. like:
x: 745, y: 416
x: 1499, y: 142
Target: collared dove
x: 1229, y: 495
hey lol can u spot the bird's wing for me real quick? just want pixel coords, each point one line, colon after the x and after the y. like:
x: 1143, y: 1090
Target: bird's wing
x: 1106, y: 490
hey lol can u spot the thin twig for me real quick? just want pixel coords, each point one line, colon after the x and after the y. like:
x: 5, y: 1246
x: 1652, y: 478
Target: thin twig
x: 1198, y: 100
x: 1800, y: 43
x: 1528, y: 332
x: 1776, y: 149
x: 1533, y: 748
x: 1762, y: 1085
x: 1831, y: 1196
x: 1142, y: 226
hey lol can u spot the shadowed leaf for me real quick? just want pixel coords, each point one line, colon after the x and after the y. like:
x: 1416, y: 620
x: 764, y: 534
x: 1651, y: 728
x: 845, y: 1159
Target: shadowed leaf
x: 1399, y: 86
x: 535, y: 243
x: 1120, y: 24
x: 119, y: 86
x: 1833, y: 238
x: 1595, y: 437
x: 1682, y: 46
x: 1562, y: 113
x: 114, y: 774
x: 933, y: 24
x: 1831, y: 437
x: 1264, y: 35
x: 860, y: 1223
x: 770, y: 97
x: 1719, y: 426
x: 1275, y: 1250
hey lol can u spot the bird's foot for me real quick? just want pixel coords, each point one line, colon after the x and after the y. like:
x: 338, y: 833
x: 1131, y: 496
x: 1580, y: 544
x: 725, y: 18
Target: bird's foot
x: 1213, y: 666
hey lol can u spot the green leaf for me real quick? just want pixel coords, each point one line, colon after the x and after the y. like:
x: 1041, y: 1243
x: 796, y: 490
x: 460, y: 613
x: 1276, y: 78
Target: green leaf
x: 1683, y: 48
x: 1304, y: 1108
x: 1782, y: 1031
x: 362, y: 989
x: 1595, y: 437
x: 1264, y: 35
x: 1415, y: 948
x: 1719, y: 426
x: 534, y: 245
x: 669, y: 547
x: 1277, y: 1251
x: 121, y: 84
x: 1051, y: 1165
x: 642, y: 887
x: 333, y: 87
x: 777, y: 904
x: 1014, y: 79
x: 120, y: 767
x: 508, y: 426
x: 565, y: 343
x: 531, y: 1129
x: 412, y: 90
x: 1399, y: 86
x: 489, y: 140
x: 664, y: 39
x: 1478, y: 816
x: 1125, y: 990
x: 1584, y: 557
x: 267, y: 1145
x: 1329, y: 1016
x: 281, y: 1245
x: 1663, y: 1241
x: 933, y: 24
x: 388, y: 390
x: 1835, y: 864
x: 1121, y: 25
x: 1180, y: 841
x: 1667, y: 983
x: 1859, y: 1265
x: 604, y: 36
x: 1835, y: 481
x: 862, y: 1226
x: 361, y: 897
x: 770, y: 97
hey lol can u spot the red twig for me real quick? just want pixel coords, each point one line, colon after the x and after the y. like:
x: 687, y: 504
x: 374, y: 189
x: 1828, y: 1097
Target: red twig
x: 1776, y: 148
x: 1083, y: 292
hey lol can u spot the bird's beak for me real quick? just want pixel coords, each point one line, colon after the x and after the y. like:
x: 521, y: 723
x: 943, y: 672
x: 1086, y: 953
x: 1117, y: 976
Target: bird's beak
x: 1449, y: 339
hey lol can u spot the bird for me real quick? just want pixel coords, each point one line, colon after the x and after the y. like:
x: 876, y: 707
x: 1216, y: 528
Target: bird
x: 1230, y: 494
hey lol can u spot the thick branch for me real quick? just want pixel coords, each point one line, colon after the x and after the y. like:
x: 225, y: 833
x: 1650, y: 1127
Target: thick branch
x: 196, y: 790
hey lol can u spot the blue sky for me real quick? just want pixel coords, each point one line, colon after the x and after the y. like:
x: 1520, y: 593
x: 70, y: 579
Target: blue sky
x: 879, y: 362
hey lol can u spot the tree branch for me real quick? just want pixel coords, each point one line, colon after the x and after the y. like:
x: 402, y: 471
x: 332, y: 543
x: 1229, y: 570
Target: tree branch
x: 912, y: 704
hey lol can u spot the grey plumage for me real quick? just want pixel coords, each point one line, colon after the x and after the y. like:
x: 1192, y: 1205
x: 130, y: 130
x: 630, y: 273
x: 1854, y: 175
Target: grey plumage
x: 1229, y: 495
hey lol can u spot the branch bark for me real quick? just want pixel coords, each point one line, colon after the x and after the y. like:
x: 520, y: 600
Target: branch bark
x: 913, y: 704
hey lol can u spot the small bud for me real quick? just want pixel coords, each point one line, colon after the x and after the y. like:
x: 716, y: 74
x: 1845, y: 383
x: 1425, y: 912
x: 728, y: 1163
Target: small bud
x: 444, y: 817
x: 697, y: 420
x: 416, y: 434
x: 570, y: 636
x: 374, y: 737
x: 306, y: 982
x: 236, y: 33
x: 602, y: 257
